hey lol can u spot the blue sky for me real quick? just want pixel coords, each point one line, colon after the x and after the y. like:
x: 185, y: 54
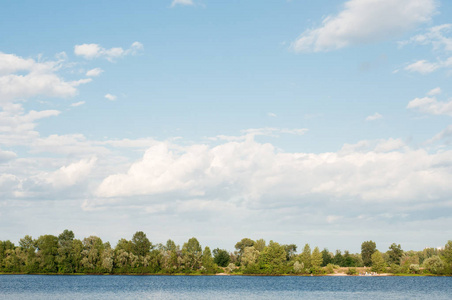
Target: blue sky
x: 323, y: 122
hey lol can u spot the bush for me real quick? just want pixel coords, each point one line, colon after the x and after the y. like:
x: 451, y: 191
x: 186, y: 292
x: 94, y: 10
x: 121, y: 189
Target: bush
x: 352, y: 271
x: 414, y: 268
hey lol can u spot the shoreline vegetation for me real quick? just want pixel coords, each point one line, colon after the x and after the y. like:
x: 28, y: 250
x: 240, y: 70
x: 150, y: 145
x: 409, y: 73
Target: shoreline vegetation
x: 65, y: 255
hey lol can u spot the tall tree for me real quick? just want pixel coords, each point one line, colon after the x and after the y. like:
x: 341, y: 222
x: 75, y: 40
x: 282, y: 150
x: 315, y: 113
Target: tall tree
x: 327, y: 257
x: 395, y: 253
x: 316, y: 259
x: 192, y: 253
x: 140, y: 244
x: 305, y: 256
x: 367, y: 249
x: 378, y: 262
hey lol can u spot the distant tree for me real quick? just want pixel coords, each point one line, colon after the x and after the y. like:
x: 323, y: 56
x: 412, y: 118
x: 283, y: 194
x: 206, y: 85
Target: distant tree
x: 207, y: 261
x: 221, y: 257
x: 140, y: 244
x: 316, y: 259
x: 305, y: 256
x: 338, y: 258
x: 273, y: 258
x: 327, y: 257
x: 192, y: 253
x: 447, y: 253
x: 290, y: 251
x: 378, y: 262
x: 250, y: 256
x: 434, y: 264
x: 395, y: 253
x: 349, y: 260
x: 367, y: 249
x: 47, y: 246
x: 259, y: 245
x: 65, y: 258
x: 240, y: 246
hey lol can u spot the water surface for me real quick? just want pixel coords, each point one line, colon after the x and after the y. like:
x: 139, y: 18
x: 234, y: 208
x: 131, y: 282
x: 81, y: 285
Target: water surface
x: 222, y: 287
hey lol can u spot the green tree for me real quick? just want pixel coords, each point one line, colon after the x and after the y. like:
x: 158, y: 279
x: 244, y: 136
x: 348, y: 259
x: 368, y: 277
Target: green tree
x: 367, y: 249
x: 305, y: 256
x: 316, y: 260
x: 327, y: 257
x: 273, y: 258
x: 192, y: 253
x: 259, y: 245
x: 47, y: 246
x: 434, y: 264
x: 338, y: 258
x: 221, y: 257
x: 378, y: 262
x: 65, y: 258
x: 207, y: 261
x: 240, y: 246
x: 395, y: 253
x: 141, y: 244
x: 250, y: 256
x: 290, y: 251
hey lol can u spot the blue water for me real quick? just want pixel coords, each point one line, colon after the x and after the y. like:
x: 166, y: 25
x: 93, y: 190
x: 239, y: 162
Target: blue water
x: 222, y: 287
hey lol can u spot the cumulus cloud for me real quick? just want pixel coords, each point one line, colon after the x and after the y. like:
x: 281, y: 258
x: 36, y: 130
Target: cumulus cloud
x: 94, y: 72
x: 375, y: 116
x: 69, y: 175
x: 40, y: 79
x: 182, y: 2
x: 430, y: 105
x: 110, y: 97
x: 91, y: 51
x: 258, y: 175
x: 365, y: 21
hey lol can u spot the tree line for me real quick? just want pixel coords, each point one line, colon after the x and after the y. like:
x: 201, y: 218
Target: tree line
x: 64, y: 254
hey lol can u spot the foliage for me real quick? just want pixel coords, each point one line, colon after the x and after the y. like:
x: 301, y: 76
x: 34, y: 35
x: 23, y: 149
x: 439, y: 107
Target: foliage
x: 221, y: 257
x: 352, y: 271
x: 378, y: 262
x: 434, y: 264
x: 367, y: 249
x: 395, y: 253
x: 64, y: 254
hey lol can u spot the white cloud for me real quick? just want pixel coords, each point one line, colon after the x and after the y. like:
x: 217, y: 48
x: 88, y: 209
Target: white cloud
x: 434, y: 36
x: 365, y: 21
x: 40, y: 79
x: 435, y: 91
x: 110, y: 97
x: 182, y: 2
x: 273, y: 115
x: 94, y: 72
x: 430, y: 105
x: 6, y: 155
x: 257, y: 175
x: 375, y: 116
x: 69, y: 175
x: 90, y: 51
x: 446, y: 134
x: 75, y: 104
x: 423, y: 67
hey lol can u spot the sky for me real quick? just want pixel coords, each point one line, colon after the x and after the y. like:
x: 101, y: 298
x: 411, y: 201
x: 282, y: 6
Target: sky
x: 321, y: 122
